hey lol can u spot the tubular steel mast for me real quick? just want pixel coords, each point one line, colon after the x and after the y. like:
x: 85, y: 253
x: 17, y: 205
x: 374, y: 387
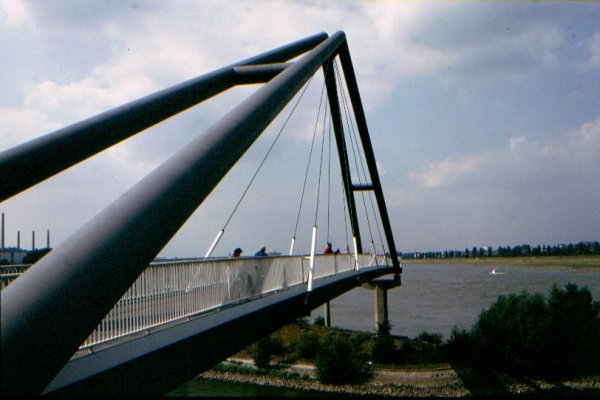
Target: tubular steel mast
x: 54, y: 306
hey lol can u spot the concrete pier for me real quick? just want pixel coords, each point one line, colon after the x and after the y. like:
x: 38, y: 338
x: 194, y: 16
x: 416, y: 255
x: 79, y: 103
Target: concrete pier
x: 327, y: 314
x: 380, y: 302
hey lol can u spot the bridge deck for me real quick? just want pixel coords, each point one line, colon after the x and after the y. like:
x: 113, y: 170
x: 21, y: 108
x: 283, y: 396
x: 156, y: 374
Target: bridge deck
x: 179, y: 302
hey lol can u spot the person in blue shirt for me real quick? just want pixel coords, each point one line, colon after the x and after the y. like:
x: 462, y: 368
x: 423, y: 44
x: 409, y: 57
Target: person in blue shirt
x: 261, y: 252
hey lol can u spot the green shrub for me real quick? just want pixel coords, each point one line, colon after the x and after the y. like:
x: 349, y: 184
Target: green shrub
x: 572, y: 339
x: 339, y: 362
x: 320, y: 321
x: 302, y: 322
x: 276, y: 346
x: 308, y: 345
x: 431, y: 338
x: 525, y: 335
x: 262, y: 352
x: 383, y: 350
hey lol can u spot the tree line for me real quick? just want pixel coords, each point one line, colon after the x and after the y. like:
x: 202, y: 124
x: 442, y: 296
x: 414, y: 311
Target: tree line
x: 523, y: 250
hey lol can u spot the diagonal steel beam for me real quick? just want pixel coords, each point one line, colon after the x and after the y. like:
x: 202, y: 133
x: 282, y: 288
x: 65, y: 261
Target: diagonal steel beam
x: 37, y: 160
x: 363, y: 130
x: 338, y: 129
x: 51, y: 309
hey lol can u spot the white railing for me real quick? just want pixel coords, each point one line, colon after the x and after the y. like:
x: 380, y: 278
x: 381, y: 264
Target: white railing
x: 168, y: 291
x: 8, y: 273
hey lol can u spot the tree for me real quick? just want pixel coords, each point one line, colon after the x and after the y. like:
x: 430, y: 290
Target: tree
x: 264, y: 349
x: 33, y: 256
x: 572, y: 339
x: 308, y: 345
x: 261, y: 353
x: 523, y: 334
x: 383, y: 349
x: 339, y: 362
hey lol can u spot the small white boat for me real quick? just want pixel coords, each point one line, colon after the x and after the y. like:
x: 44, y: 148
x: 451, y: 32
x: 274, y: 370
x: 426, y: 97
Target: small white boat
x: 494, y: 271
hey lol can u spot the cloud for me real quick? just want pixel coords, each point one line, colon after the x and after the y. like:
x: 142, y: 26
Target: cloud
x: 19, y: 125
x: 441, y: 173
x: 14, y: 13
x: 522, y: 163
x: 72, y: 60
x: 593, y: 61
x: 590, y: 131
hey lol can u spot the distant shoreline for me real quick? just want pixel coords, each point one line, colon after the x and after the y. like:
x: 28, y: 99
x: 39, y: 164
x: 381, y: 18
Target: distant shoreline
x: 562, y: 262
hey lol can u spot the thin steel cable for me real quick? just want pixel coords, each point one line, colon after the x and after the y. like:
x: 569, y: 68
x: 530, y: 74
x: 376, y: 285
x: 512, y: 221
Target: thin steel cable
x: 309, y: 161
x: 352, y: 134
x: 329, y: 180
x: 268, y: 152
x: 321, y: 162
x: 377, y: 220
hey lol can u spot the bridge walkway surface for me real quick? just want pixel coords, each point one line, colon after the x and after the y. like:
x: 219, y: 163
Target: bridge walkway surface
x: 194, y: 313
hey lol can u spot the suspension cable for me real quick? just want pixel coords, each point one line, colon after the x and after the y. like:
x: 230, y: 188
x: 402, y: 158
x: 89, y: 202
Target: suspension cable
x: 321, y: 161
x: 307, y: 167
x: 329, y: 179
x: 377, y: 221
x: 353, y: 138
x: 220, y: 234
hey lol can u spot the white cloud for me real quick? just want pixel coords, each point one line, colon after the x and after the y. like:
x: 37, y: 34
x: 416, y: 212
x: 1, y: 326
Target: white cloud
x: 445, y: 172
x: 140, y: 49
x: 516, y: 143
x: 522, y: 162
x: 591, y: 130
x: 593, y: 62
x: 19, y: 125
x: 15, y: 13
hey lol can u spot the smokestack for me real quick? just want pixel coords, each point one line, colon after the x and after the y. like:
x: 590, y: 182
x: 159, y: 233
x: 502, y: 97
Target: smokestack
x: 18, y: 239
x: 32, y: 240
x: 48, y: 239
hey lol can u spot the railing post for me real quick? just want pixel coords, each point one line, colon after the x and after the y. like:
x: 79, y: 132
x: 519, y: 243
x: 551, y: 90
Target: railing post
x: 312, y: 257
x: 214, y: 243
x: 355, y: 252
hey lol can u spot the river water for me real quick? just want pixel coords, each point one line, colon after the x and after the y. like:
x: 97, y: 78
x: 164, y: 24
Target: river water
x: 435, y: 298
x: 432, y: 298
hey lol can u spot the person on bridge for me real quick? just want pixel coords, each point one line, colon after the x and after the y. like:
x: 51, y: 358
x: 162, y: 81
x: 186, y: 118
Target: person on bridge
x: 329, y: 249
x: 237, y: 252
x: 261, y: 252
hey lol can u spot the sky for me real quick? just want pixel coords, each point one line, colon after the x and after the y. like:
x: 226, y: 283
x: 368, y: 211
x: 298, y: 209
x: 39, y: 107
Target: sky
x: 484, y: 117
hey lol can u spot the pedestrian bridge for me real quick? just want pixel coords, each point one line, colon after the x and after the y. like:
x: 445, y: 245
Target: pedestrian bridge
x: 175, y: 303
x: 96, y: 316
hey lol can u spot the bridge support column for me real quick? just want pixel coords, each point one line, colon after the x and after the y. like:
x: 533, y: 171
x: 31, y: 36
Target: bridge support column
x: 381, y: 306
x: 327, y: 314
x: 380, y: 288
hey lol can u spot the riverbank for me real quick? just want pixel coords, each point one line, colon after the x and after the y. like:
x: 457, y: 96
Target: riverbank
x: 439, y: 382
x: 570, y: 262
x: 417, y: 381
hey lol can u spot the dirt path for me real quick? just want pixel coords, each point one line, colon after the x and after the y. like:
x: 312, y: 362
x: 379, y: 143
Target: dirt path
x: 435, y: 381
x: 410, y: 381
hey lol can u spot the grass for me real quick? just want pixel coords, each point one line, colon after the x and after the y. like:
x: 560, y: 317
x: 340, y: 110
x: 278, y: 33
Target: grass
x: 567, y: 262
x: 414, y: 352
x: 241, y: 369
